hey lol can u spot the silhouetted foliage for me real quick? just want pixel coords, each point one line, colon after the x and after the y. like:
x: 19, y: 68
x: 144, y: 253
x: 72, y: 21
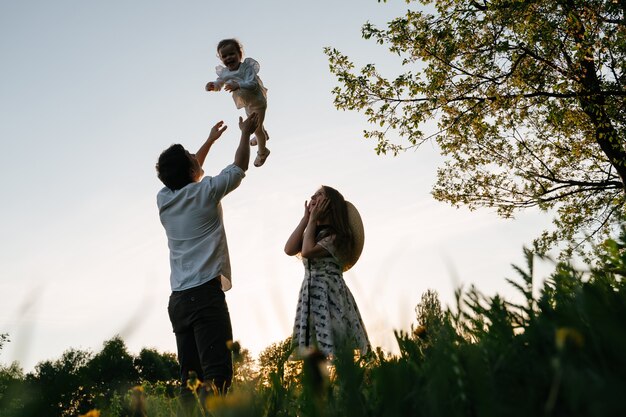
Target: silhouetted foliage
x: 244, y: 366
x: 56, y: 387
x: 153, y: 366
x: 274, y: 363
x: 558, y: 354
x: 112, y: 370
x: 528, y: 100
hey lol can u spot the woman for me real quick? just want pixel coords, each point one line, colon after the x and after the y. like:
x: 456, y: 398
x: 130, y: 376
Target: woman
x: 329, y: 239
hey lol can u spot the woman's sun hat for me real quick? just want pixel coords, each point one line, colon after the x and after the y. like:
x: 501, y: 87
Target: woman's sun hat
x: 358, y: 233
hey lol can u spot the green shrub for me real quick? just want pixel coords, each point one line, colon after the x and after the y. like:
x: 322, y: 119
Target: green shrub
x: 560, y: 353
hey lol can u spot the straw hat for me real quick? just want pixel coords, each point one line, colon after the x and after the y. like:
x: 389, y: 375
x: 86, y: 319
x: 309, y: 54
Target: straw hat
x: 356, y: 225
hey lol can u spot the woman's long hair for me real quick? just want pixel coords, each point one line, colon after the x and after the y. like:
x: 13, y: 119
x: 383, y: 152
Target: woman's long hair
x: 338, y: 218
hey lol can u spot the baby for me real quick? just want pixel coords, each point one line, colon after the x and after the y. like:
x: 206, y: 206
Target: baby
x: 240, y: 78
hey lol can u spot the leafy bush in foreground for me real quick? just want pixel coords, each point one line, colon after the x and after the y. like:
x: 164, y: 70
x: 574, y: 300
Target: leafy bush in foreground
x: 560, y: 353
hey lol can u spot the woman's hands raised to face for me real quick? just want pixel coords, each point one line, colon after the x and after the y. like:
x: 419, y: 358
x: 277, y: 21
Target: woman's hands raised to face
x: 318, y: 208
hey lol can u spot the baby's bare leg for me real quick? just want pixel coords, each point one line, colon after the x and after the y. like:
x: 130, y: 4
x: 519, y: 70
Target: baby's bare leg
x: 260, y: 133
x: 260, y: 138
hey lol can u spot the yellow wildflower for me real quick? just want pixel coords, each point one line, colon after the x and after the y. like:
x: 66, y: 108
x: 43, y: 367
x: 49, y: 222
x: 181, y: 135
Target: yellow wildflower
x: 193, y: 383
x: 234, y: 347
x: 91, y: 413
x: 233, y: 400
x: 214, y: 402
x: 565, y: 335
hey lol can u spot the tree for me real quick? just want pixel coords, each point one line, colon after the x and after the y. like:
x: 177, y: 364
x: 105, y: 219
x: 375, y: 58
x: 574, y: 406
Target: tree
x: 154, y: 366
x: 11, y: 389
x: 112, y: 370
x: 274, y: 363
x: 244, y: 367
x: 429, y: 315
x: 57, y: 387
x: 4, y: 337
x: 529, y: 98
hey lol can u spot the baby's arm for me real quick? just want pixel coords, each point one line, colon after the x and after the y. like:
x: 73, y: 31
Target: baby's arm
x: 214, y: 85
x: 248, y: 78
x: 219, y: 83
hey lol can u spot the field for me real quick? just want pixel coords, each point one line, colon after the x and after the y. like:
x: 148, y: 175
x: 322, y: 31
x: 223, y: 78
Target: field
x: 560, y: 353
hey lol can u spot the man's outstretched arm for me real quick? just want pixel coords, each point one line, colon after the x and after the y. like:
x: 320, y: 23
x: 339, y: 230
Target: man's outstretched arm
x: 242, y: 154
x: 216, y: 132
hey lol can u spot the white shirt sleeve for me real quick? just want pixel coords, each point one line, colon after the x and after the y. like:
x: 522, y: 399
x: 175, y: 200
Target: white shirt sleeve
x: 226, y: 181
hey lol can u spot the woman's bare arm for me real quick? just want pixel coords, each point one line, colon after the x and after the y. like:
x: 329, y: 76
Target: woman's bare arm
x: 294, y: 243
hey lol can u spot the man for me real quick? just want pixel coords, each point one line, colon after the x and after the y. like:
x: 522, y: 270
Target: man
x: 191, y: 213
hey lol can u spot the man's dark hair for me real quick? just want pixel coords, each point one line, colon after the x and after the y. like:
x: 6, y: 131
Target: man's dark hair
x: 174, y: 167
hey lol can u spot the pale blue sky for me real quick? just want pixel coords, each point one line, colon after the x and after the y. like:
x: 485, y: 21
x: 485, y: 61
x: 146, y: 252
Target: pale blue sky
x: 91, y: 92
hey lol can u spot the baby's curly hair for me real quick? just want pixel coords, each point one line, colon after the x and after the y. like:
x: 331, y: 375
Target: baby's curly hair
x: 230, y: 41
x: 174, y: 167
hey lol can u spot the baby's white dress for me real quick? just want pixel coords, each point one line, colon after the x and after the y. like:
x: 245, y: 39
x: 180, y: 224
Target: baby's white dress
x: 251, y: 95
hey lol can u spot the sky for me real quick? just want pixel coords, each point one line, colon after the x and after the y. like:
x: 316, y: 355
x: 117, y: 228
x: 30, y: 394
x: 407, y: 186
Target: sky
x: 91, y: 92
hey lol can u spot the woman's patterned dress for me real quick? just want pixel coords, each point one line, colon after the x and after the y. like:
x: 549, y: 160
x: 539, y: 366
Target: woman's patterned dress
x: 327, y: 314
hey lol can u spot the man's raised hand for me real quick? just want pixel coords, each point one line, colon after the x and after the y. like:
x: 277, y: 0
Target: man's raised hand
x: 217, y: 130
x: 249, y: 125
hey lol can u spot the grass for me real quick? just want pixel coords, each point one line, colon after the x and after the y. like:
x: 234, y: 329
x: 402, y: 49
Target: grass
x: 560, y: 353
